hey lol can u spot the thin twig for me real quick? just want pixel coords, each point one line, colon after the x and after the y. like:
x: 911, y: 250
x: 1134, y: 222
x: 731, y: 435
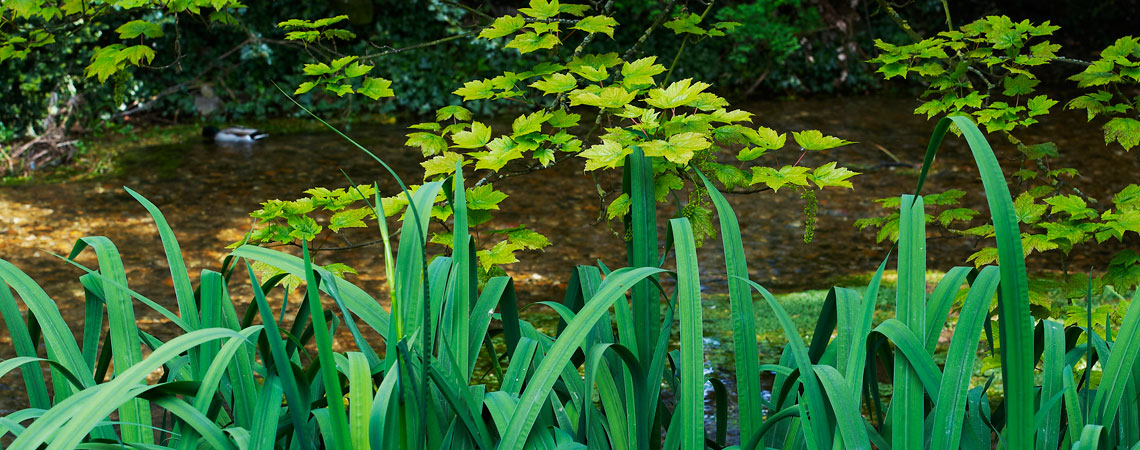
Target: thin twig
x: 680, y: 50
x: 641, y: 40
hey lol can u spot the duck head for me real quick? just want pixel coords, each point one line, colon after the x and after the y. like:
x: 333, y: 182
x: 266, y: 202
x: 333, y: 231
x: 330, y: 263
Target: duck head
x: 210, y: 131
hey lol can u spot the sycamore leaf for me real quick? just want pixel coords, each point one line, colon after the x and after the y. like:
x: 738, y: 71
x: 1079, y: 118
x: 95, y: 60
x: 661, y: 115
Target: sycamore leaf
x: 475, y: 90
x: 563, y: 119
x: 104, y: 62
x: 136, y: 28
x: 609, y: 154
x: 686, y: 24
x: 619, y: 207
x: 529, y: 42
x: 503, y: 26
x: 349, y: 218
x: 484, y: 197
x: 545, y: 156
x: 304, y: 228
x: 478, y: 136
x: 829, y: 175
x: 526, y: 124
x: 729, y: 176
x: 556, y: 83
x: 375, y: 88
x: 305, y: 87
x: 502, y: 151
x: 814, y: 140
x: 776, y: 179
x: 541, y: 9
x: 136, y: 53
x: 502, y: 253
x: 609, y: 97
x: 1027, y: 210
x: 1019, y: 85
x: 428, y: 143
x: 1040, y: 105
x: 317, y: 69
x: 597, y: 24
x: 528, y: 239
x: 768, y: 138
x: 640, y: 73
x: 675, y: 95
x: 1124, y: 130
x: 984, y: 256
x: 452, y: 112
x: 665, y: 184
x: 1070, y: 204
x: 679, y: 149
x: 356, y: 69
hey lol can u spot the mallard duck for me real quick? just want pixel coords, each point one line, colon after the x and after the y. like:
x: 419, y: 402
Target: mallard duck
x: 234, y: 134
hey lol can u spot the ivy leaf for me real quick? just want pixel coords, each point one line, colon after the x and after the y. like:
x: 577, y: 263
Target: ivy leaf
x: 776, y: 179
x: 484, y: 197
x: 640, y: 73
x: 136, y: 28
x: 597, y: 24
x: 619, y: 207
x: 675, y: 95
x: 541, y: 9
x: 679, y: 148
x: 349, y: 218
x: 452, y: 112
x: 609, y: 154
x: 428, y: 143
x: 475, y: 90
x: 375, y: 88
x: 478, y: 136
x: 502, y: 253
x: 556, y: 83
x: 529, y: 42
x: 830, y: 175
x: 503, y: 26
x: 526, y: 124
x: 814, y: 140
x: 1124, y: 130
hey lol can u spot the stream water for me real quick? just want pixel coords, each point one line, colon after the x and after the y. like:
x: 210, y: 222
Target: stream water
x: 207, y: 191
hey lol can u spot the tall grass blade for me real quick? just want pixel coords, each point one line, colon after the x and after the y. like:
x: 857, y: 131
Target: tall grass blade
x: 691, y: 398
x: 613, y: 288
x: 907, y: 402
x: 642, y: 248
x: 1118, y: 371
x: 950, y: 404
x: 1014, y: 319
x: 1053, y: 356
x: 331, y: 379
x: 744, y: 345
x: 816, y: 429
x: 25, y: 348
x: 126, y: 349
x: 463, y: 278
